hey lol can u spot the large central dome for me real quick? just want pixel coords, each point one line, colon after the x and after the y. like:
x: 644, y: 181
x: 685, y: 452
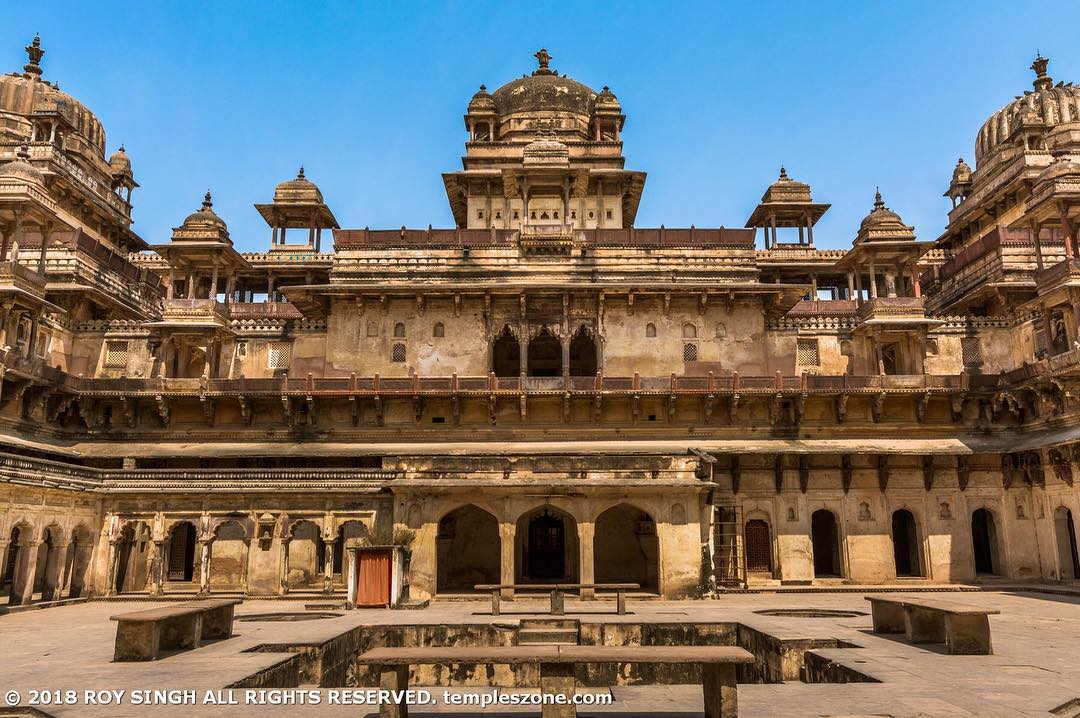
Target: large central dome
x: 1045, y: 107
x: 544, y: 90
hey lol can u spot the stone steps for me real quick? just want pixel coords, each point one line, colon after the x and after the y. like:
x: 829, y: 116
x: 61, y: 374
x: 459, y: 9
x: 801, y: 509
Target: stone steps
x: 554, y: 632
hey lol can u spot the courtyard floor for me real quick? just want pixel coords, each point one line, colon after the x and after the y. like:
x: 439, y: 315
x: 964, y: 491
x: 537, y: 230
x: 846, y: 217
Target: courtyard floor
x: 1035, y: 667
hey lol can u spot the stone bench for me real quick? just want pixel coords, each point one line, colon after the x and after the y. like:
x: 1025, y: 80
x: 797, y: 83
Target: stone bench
x: 963, y: 628
x: 558, y: 593
x: 145, y: 635
x: 558, y: 666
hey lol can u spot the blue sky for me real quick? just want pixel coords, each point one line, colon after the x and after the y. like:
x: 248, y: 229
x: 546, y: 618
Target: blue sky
x: 369, y: 97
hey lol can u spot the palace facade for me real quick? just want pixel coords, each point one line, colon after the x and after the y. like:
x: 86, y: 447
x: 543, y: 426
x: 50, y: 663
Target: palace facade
x: 542, y: 392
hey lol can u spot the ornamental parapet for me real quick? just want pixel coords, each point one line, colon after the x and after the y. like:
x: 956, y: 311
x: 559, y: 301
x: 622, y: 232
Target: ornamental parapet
x: 1064, y: 273
x: 691, y: 237
x: 892, y: 310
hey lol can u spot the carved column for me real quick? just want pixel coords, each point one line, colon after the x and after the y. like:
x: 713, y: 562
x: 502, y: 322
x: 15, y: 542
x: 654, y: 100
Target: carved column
x: 46, y: 230
x: 352, y: 556
x: 56, y: 572
x: 507, y: 533
x: 586, y: 572
x: 204, y: 573
x: 5, y: 318
x: 244, y: 567
x: 284, y: 565
x: 328, y: 567
x: 157, y: 569
x: 110, y: 575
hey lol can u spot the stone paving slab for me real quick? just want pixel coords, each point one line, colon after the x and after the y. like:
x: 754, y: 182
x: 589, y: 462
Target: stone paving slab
x: 1034, y: 668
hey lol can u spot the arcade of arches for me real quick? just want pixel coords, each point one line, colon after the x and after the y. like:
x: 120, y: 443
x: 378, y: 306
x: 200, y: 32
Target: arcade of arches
x: 544, y: 354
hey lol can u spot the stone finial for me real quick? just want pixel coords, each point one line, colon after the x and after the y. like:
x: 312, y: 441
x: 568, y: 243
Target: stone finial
x: 543, y: 58
x: 35, y: 53
x: 300, y: 174
x: 783, y: 172
x: 207, y: 202
x: 878, y: 202
x: 1043, y: 81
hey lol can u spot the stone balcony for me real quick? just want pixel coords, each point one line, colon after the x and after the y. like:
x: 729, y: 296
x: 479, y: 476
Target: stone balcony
x: 194, y: 313
x: 547, y: 238
x: 893, y: 311
x: 1063, y: 274
x: 19, y: 280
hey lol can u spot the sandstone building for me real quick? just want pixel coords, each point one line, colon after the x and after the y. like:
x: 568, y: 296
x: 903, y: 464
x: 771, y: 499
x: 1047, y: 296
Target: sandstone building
x: 543, y: 391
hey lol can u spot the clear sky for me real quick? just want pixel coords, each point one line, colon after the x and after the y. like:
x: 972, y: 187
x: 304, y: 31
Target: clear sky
x: 370, y: 96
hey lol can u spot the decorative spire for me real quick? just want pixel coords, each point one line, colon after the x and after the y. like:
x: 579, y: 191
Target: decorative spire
x: 35, y: 53
x: 1042, y: 80
x: 783, y: 172
x: 878, y: 202
x: 483, y: 87
x: 207, y: 202
x: 543, y: 58
x: 300, y: 174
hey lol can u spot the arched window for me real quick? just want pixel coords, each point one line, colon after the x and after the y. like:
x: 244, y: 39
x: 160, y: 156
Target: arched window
x: 689, y: 331
x: 399, y: 329
x: 650, y: 330
x: 397, y: 353
x: 439, y: 330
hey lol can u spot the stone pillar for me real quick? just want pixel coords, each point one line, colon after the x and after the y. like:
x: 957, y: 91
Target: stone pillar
x: 170, y: 289
x: 213, y: 283
x: 565, y: 341
x: 157, y: 569
x: 284, y: 566
x: 110, y: 575
x: 586, y: 568
x: 5, y: 318
x: 507, y: 534
x: 4, y: 545
x: 46, y: 230
x: 22, y: 588
x: 328, y: 567
x: 52, y: 586
x: 351, y: 558
x: 873, y: 281
x: 204, y: 572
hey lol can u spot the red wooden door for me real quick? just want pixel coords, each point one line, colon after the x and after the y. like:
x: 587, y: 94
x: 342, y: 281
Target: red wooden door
x: 373, y: 579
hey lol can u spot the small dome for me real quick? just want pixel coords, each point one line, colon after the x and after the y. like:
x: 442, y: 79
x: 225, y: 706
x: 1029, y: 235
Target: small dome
x: 20, y: 168
x: 962, y: 172
x: 607, y: 100
x: 482, y: 101
x: 205, y: 217
x: 300, y: 189
x: 120, y: 162
x: 880, y: 215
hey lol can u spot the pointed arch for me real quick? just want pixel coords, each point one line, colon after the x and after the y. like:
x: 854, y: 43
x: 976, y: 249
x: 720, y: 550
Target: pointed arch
x: 506, y: 354
x: 468, y: 549
x: 583, y: 354
x: 626, y: 548
x: 545, y: 354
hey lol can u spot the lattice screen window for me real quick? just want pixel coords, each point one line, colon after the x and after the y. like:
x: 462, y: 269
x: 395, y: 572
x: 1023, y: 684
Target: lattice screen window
x: 689, y: 352
x: 279, y: 355
x: 971, y: 351
x: 116, y: 354
x: 806, y: 353
x: 397, y: 353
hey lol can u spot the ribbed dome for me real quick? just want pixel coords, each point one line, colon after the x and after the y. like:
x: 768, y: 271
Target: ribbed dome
x: 21, y: 169
x: 206, y: 217
x: 22, y: 94
x: 1045, y: 105
x: 544, y: 90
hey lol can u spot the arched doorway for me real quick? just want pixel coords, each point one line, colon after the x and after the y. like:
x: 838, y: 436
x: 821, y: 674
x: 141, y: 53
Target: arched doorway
x: 826, y: 544
x: 304, y: 551
x: 547, y: 547
x: 506, y: 354
x: 180, y: 553
x: 906, y: 547
x: 984, y: 541
x: 625, y: 548
x: 125, y: 557
x: 758, y: 546
x: 468, y: 550
x: 1065, y: 530
x: 545, y: 354
x: 582, y: 354
x: 229, y: 556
